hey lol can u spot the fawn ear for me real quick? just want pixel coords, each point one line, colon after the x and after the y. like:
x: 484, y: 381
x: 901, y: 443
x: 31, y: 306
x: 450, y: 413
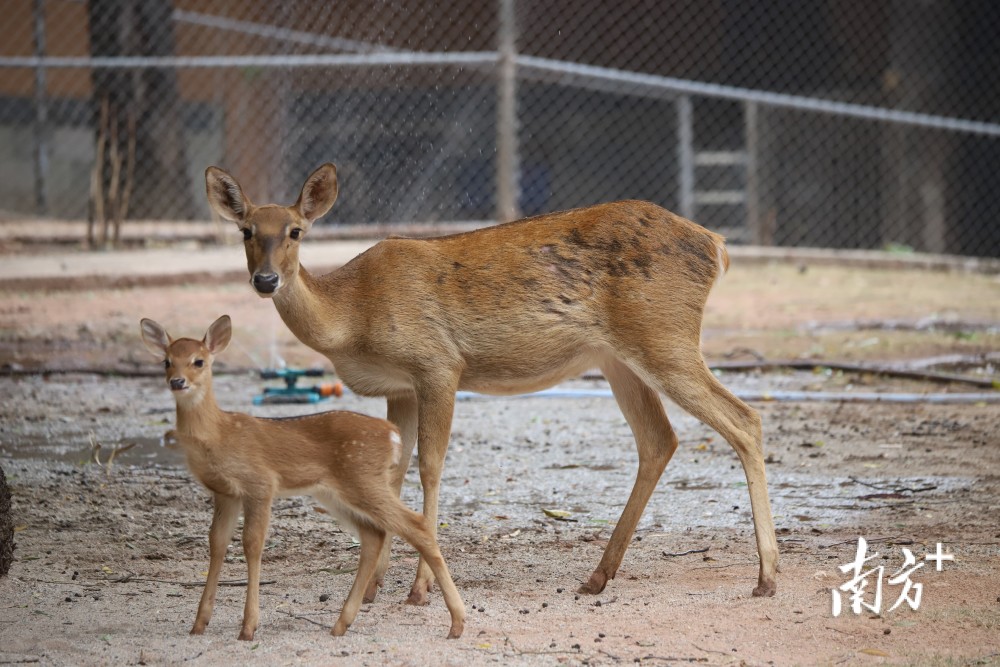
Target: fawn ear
x: 225, y: 195
x: 318, y: 193
x: 219, y: 334
x: 154, y: 337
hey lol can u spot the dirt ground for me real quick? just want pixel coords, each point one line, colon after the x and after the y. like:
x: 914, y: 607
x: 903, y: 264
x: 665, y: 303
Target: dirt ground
x: 109, y: 558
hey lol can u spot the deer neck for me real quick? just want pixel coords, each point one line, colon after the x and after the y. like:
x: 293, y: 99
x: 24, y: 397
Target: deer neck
x: 199, y: 418
x: 315, y: 309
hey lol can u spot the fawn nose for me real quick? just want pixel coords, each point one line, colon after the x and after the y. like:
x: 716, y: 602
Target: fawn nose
x: 265, y: 282
x: 177, y: 383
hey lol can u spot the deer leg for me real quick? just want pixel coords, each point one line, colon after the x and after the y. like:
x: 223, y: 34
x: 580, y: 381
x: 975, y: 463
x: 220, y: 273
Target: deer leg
x: 402, y: 411
x: 256, y: 516
x: 371, y: 546
x: 435, y: 410
x: 224, y: 516
x: 693, y: 387
x: 656, y: 443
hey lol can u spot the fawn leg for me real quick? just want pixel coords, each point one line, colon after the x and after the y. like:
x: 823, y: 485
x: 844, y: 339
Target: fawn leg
x: 224, y: 516
x: 656, y: 443
x: 401, y: 411
x: 372, y: 540
x: 256, y: 516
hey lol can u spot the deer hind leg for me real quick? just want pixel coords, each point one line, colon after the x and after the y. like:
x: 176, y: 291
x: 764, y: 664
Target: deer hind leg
x: 656, y: 443
x: 416, y: 531
x: 401, y: 411
x: 372, y: 540
x: 690, y: 384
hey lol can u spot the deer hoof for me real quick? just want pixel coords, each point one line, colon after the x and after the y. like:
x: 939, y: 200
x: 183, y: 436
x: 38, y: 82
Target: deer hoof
x: 598, y: 580
x: 371, y: 592
x: 765, y: 589
x: 419, y: 595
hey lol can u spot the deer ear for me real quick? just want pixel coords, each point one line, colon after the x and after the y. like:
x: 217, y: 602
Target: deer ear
x: 318, y: 193
x: 154, y: 337
x: 225, y: 195
x: 219, y: 334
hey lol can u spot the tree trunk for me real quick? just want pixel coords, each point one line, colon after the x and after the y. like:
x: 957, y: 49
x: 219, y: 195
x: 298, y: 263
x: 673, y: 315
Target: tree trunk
x: 6, y: 527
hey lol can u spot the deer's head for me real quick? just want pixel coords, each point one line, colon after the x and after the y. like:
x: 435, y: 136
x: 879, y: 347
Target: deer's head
x: 271, y: 232
x: 188, y: 362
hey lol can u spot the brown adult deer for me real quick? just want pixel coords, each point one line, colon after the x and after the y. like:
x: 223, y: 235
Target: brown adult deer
x: 511, y: 309
x: 346, y: 461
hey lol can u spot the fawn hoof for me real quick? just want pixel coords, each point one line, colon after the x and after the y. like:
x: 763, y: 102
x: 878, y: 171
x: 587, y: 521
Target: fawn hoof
x: 766, y: 588
x: 456, y: 630
x: 246, y: 634
x: 198, y: 629
x: 598, y: 580
x: 339, y: 629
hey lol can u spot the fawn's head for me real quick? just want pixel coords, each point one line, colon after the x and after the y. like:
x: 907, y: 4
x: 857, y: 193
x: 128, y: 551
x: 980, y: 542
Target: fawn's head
x: 188, y: 362
x: 272, y: 233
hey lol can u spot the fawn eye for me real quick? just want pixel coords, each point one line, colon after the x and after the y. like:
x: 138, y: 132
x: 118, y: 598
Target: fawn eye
x: 199, y: 363
x: 166, y: 363
x: 296, y: 233
x: 247, y: 233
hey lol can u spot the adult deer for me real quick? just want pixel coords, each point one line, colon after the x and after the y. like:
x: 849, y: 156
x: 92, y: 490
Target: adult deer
x: 346, y: 461
x: 511, y: 309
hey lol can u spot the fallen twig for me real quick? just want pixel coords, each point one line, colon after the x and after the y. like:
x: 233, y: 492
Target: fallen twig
x: 719, y: 567
x: 728, y: 655
x: 893, y: 540
x: 685, y: 553
x: 129, y: 578
x: 95, y: 452
x: 306, y: 618
x: 889, y: 489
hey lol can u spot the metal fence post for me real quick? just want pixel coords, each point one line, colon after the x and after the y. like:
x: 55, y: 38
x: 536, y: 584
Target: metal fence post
x: 41, y: 115
x: 685, y: 156
x: 507, y: 152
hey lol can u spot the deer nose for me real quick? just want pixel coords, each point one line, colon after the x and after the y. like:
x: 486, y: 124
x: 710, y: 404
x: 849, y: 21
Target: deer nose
x: 177, y: 383
x: 265, y: 282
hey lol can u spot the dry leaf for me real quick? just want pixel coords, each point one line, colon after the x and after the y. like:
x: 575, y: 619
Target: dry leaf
x: 875, y: 651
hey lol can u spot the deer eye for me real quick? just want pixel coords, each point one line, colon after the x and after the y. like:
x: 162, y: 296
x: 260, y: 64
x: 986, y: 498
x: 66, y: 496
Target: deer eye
x: 199, y: 363
x: 247, y: 233
x: 296, y: 233
x: 166, y: 363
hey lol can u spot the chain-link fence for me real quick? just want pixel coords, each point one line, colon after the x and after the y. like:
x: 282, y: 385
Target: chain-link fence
x: 858, y: 123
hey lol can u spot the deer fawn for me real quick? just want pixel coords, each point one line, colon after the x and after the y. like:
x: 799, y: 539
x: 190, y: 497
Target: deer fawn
x: 346, y: 461
x: 511, y: 309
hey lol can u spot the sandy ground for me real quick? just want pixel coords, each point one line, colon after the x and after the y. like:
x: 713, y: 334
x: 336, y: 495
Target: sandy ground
x: 105, y: 556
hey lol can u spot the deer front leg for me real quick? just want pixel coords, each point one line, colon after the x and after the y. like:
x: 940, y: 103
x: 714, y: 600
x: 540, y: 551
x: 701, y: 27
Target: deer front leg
x: 656, y: 444
x: 256, y: 516
x: 401, y: 411
x: 224, y: 516
x: 435, y: 410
